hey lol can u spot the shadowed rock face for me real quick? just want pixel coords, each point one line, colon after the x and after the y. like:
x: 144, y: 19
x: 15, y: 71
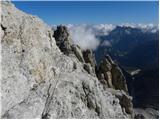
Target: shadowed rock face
x: 112, y: 74
x: 39, y: 81
x: 65, y: 44
x: 89, y: 57
x: 61, y: 36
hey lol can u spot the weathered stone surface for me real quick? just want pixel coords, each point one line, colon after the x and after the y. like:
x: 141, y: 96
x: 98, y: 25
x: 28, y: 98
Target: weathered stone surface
x: 63, y: 41
x: 118, y: 79
x: 125, y: 101
x: 78, y: 52
x: 89, y: 69
x: 112, y: 74
x: 103, y: 80
x: 89, y: 57
x: 38, y: 81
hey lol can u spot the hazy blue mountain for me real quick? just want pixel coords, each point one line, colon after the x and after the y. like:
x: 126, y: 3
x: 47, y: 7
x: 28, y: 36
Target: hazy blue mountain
x: 134, y: 48
x: 127, y: 44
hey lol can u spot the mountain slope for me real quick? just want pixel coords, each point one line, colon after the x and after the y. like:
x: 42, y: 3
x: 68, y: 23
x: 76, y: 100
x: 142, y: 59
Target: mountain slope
x: 39, y: 81
x: 124, y: 41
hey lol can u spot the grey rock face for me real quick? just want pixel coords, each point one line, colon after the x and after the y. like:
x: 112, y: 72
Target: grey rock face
x: 65, y: 44
x: 68, y: 48
x: 119, y: 80
x: 88, y: 68
x: 38, y: 81
x: 125, y: 101
x: 89, y: 57
x: 112, y: 74
x: 78, y: 52
x: 105, y: 70
x: 61, y: 36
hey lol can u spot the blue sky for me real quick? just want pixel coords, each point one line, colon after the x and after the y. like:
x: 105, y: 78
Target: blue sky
x: 109, y: 12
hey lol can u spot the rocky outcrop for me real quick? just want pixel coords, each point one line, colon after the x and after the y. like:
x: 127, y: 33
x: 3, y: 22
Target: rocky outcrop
x: 65, y: 44
x: 125, y: 101
x: 104, y: 72
x: 111, y: 76
x: 89, y: 57
x: 78, y: 52
x: 89, y: 68
x: 39, y: 81
x: 110, y: 72
x: 118, y: 78
x: 63, y: 41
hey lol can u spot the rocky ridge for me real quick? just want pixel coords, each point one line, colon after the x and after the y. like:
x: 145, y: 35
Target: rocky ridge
x: 108, y: 72
x: 41, y: 80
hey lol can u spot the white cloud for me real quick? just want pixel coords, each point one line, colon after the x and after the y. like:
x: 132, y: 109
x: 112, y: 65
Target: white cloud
x: 103, y: 29
x: 144, y: 27
x: 84, y: 37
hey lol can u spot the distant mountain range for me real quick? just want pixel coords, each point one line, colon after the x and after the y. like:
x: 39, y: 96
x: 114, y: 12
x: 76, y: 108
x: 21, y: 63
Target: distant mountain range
x: 135, y: 49
x: 131, y: 47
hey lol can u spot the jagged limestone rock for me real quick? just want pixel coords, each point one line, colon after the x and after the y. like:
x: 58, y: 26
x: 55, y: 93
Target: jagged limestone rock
x: 125, y: 101
x: 89, y: 57
x: 78, y: 52
x: 61, y: 36
x: 103, y: 80
x: 118, y: 78
x: 89, y: 69
x: 38, y: 81
x: 112, y: 74
x: 105, y: 69
x: 65, y: 44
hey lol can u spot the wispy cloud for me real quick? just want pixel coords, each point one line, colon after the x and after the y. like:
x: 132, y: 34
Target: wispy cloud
x: 84, y: 37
